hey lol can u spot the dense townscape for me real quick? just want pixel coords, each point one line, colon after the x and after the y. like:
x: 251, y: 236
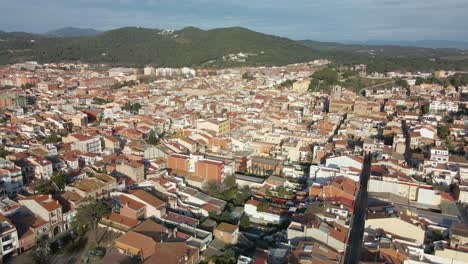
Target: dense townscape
x: 314, y: 162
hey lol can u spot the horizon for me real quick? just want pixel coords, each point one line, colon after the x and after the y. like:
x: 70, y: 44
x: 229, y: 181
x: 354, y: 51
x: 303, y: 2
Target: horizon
x: 349, y: 20
x: 344, y: 41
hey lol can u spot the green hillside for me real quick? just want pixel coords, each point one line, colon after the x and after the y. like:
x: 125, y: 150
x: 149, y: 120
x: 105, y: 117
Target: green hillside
x: 211, y: 48
x: 139, y: 46
x: 383, y: 58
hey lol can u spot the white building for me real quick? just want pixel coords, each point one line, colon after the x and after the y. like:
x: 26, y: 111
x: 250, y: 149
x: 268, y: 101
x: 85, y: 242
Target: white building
x: 11, y: 178
x: 8, y: 237
x: 439, y: 155
x: 442, y: 106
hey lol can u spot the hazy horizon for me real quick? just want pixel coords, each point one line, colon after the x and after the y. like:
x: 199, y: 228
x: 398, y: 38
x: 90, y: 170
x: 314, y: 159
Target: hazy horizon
x: 344, y: 20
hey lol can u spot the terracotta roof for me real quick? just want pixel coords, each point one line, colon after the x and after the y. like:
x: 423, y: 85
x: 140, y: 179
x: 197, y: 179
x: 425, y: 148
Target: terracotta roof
x: 45, y: 201
x: 131, y: 239
x: 225, y: 227
x: 148, y: 198
x: 130, y: 203
x: 171, y: 252
x: 122, y: 220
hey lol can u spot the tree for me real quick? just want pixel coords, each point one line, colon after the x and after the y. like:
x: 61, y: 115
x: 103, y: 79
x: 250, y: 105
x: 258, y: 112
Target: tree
x: 459, y: 79
x: 229, y: 257
x: 152, y: 138
x: 88, y: 215
x: 54, y: 138
x: 419, y: 80
x: 402, y: 83
x: 44, y: 187
x: 132, y: 108
x: 327, y: 75
x: 247, y: 76
x: 442, y: 131
x: 244, y: 222
x: 425, y: 108
x: 4, y: 153
x: 60, y: 180
x: 41, y: 255
x: 287, y: 83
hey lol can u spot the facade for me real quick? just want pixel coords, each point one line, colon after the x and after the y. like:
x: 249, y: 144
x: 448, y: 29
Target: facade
x: 84, y: 143
x: 8, y: 237
x: 227, y: 233
x: 11, y: 177
x: 134, y: 170
x: 46, y: 208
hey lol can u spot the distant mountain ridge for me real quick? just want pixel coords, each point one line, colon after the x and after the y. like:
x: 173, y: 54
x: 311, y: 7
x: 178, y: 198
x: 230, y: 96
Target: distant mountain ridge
x: 215, y: 48
x: 435, y: 44
x: 68, y: 32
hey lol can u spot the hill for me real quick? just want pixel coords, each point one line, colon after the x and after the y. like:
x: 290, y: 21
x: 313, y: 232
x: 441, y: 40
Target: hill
x: 68, y: 32
x: 383, y: 58
x: 139, y: 46
x: 435, y: 44
x: 221, y: 47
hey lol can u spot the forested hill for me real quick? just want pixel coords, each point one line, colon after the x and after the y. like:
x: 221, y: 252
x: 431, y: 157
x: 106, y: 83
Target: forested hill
x: 223, y: 47
x: 139, y: 46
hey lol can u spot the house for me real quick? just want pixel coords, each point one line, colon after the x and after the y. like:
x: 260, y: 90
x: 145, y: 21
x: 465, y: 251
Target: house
x: 403, y: 231
x: 143, y: 204
x: 12, y: 177
x: 41, y: 167
x: 96, y: 187
x: 9, y: 243
x: 309, y: 227
x: 84, y: 143
x: 459, y: 235
x: 47, y: 208
x: 217, y: 126
x: 31, y: 229
x: 227, y: 233
x: 111, y: 143
x: 143, y: 149
x: 340, y: 189
x: 345, y: 161
x: 131, y: 208
x: 148, y: 250
x: 252, y: 211
x: 134, y: 170
x: 315, y: 252
x: 118, y: 223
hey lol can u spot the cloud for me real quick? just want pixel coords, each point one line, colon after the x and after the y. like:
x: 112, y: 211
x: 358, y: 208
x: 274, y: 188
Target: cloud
x: 299, y: 19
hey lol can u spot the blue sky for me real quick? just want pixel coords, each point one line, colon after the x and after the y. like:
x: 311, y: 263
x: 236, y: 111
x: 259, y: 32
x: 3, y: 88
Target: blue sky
x: 334, y: 20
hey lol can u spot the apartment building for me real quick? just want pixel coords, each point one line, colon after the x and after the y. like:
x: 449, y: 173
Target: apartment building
x: 46, y: 208
x: 84, y: 143
x: 11, y: 178
x: 8, y: 237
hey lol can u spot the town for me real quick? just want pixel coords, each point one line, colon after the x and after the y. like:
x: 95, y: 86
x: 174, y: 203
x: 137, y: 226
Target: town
x: 311, y: 162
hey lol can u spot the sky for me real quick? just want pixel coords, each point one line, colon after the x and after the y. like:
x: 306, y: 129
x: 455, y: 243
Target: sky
x: 325, y: 20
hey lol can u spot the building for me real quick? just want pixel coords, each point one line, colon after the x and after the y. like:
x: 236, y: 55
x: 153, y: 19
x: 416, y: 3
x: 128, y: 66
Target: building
x: 407, y: 233
x: 134, y: 170
x: 11, y: 177
x: 46, y: 208
x: 8, y: 237
x: 96, y: 187
x: 218, y: 126
x: 227, y: 233
x: 439, y: 155
x: 84, y: 143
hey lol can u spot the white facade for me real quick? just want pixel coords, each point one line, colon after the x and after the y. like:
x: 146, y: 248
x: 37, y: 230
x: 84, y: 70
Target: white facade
x: 343, y: 161
x: 439, y: 155
x: 11, y: 178
x: 251, y: 211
